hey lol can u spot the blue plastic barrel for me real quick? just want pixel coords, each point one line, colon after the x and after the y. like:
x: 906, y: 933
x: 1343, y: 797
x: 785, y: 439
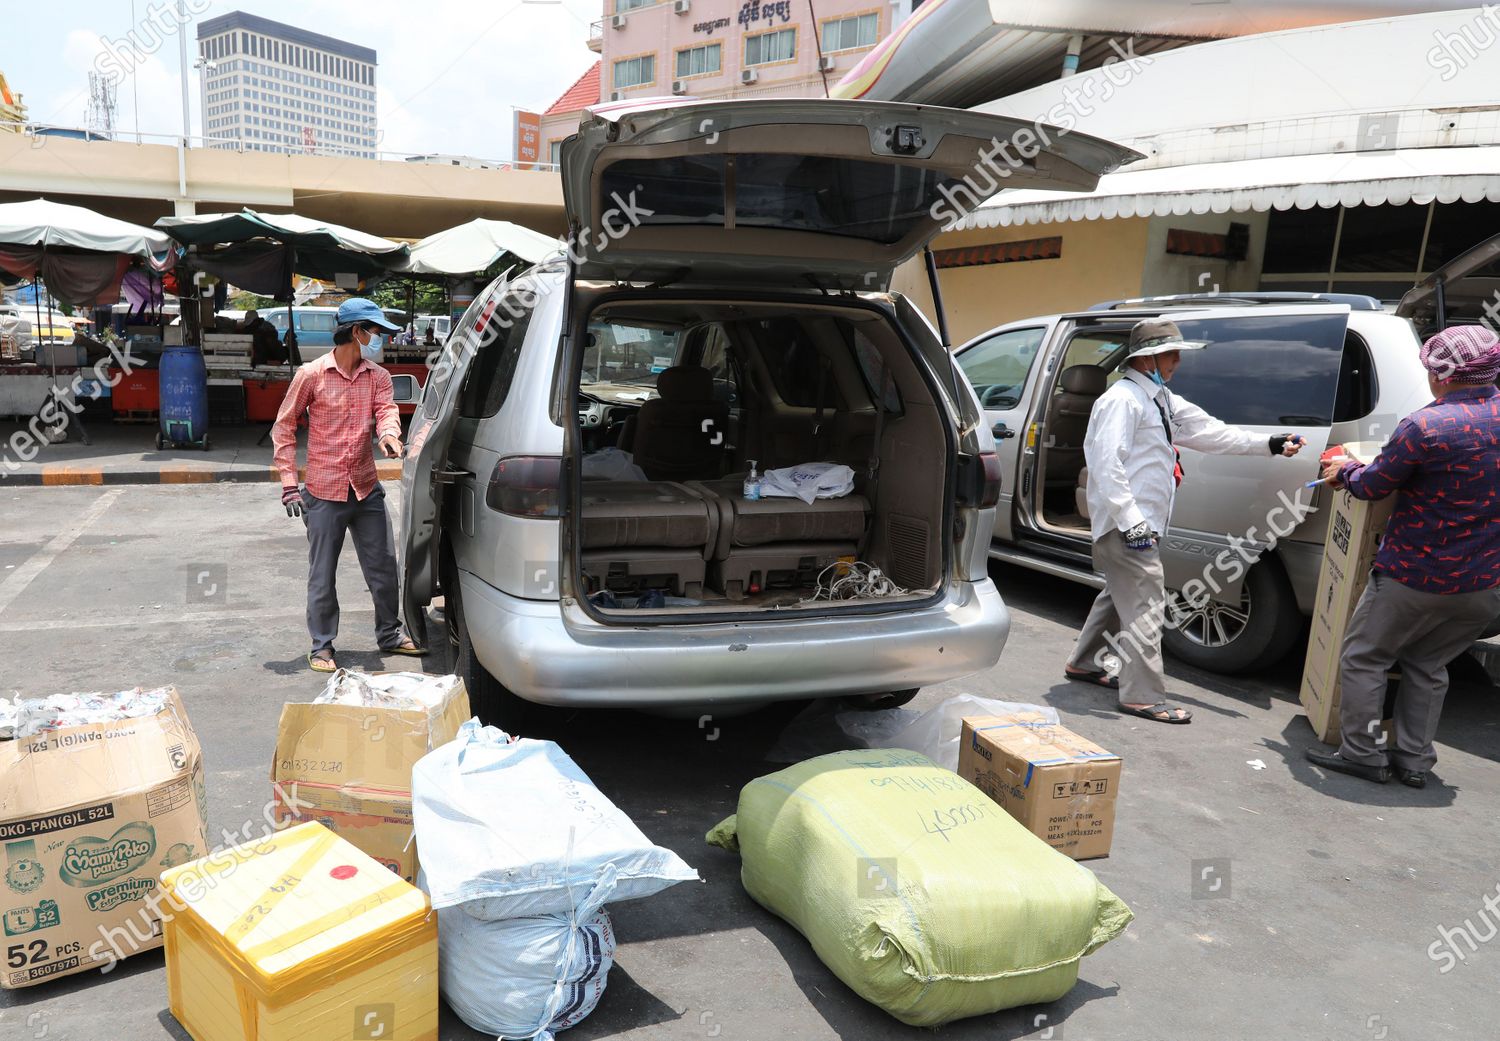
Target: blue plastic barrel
x: 184, y: 396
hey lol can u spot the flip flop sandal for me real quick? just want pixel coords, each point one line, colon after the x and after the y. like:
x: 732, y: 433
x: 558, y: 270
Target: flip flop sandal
x: 1098, y: 679
x: 408, y: 648
x: 321, y: 661
x: 1160, y: 712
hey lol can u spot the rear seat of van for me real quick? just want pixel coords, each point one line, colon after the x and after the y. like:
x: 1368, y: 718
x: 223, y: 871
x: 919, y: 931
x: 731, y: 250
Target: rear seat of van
x: 683, y: 534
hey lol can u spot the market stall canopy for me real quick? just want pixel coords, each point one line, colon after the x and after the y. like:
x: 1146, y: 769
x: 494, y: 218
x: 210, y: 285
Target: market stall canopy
x: 477, y: 246
x: 1282, y: 183
x: 260, y: 251
x: 80, y: 254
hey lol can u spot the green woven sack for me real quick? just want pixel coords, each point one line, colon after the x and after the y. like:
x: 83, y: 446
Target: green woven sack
x: 920, y: 893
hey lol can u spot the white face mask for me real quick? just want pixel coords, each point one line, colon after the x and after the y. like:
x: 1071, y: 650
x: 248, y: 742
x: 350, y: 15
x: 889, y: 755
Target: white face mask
x: 371, y: 347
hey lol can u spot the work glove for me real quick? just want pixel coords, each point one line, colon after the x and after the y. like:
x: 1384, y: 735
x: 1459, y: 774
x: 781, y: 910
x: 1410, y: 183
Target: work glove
x: 291, y: 498
x: 1279, y: 443
x: 1139, y: 537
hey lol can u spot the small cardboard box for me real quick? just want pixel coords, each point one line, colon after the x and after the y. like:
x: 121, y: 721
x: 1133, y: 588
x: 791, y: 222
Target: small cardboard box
x: 349, y: 768
x: 299, y: 936
x: 1061, y: 786
x: 90, y: 817
x: 1355, y: 528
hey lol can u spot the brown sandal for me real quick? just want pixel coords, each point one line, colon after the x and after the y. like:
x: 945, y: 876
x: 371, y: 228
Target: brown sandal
x: 1160, y: 712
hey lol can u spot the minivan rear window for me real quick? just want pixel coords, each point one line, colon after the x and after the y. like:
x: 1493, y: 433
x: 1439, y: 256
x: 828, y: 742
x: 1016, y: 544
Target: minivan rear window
x: 1269, y: 370
x: 877, y: 201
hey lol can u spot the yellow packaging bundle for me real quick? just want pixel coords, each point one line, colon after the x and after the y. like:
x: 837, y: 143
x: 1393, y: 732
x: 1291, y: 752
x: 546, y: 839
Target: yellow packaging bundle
x: 299, y: 937
x: 919, y: 892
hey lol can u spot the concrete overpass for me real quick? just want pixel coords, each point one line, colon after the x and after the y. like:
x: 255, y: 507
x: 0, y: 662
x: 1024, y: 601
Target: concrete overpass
x: 139, y: 183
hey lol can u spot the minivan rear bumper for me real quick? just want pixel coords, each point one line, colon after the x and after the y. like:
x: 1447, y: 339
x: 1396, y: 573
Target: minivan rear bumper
x: 531, y: 648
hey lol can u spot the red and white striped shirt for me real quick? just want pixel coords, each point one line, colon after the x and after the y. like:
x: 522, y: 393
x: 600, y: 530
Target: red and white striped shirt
x: 342, y: 410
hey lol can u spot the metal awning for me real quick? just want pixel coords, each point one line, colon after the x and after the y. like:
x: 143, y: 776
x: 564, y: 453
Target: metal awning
x: 1301, y: 182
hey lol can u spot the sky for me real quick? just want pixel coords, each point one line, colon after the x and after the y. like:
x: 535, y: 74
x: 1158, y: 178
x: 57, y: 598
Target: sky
x: 449, y: 72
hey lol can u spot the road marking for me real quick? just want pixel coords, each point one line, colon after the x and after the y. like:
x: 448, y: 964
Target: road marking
x: 16, y: 582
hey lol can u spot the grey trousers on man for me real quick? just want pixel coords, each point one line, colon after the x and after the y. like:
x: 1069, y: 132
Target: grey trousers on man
x: 327, y: 520
x: 1424, y: 632
x: 1126, y: 620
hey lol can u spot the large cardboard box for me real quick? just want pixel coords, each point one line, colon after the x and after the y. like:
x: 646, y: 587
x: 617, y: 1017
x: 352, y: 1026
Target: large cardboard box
x: 299, y: 936
x: 1061, y: 786
x: 89, y: 817
x: 1355, y: 528
x: 348, y: 767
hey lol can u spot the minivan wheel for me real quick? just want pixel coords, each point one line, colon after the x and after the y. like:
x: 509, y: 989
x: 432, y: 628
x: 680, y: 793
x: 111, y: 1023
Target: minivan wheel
x: 1254, y: 634
x: 877, y: 702
x: 490, y: 699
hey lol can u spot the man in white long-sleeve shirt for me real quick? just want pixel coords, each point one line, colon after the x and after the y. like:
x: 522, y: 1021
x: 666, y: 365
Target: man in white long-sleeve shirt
x: 1131, y: 452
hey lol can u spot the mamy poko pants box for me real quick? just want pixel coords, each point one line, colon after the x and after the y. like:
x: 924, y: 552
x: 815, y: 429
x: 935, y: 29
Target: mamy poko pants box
x: 299, y: 936
x: 90, y: 814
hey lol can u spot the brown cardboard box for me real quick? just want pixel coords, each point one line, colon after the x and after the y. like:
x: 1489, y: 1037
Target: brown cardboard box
x: 1061, y: 786
x: 349, y: 768
x: 92, y: 816
x: 1354, y: 531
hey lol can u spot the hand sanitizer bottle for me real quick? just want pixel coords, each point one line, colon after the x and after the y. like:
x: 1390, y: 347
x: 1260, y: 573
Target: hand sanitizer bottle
x: 752, y: 483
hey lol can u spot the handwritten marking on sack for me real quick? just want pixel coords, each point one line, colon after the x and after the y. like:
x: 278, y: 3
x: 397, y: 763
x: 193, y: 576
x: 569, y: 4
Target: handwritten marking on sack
x: 940, y: 822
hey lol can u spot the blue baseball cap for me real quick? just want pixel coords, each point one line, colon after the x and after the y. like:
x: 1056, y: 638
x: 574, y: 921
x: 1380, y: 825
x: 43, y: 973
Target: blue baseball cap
x: 357, y: 309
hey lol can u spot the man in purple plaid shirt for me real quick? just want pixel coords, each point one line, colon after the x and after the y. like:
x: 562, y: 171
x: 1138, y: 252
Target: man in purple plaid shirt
x: 1435, y: 586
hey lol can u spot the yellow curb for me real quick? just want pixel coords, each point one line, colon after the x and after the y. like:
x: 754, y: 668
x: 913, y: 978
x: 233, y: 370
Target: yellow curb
x: 58, y: 475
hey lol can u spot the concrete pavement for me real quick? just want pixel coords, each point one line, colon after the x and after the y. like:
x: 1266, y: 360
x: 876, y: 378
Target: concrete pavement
x: 1334, y: 890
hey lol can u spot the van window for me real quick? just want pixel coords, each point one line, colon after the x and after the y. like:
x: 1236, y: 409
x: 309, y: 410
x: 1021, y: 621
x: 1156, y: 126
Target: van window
x: 718, y: 358
x: 1266, y: 370
x: 316, y: 321
x: 797, y: 369
x: 997, y: 367
x: 494, y: 369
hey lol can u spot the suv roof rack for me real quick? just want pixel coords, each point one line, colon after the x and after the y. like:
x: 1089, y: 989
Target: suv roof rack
x: 1355, y: 301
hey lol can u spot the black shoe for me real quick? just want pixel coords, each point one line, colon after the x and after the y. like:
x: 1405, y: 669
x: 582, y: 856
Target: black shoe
x: 1337, y: 763
x: 1411, y: 778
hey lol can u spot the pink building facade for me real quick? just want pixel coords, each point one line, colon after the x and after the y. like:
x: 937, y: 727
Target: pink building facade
x: 722, y: 48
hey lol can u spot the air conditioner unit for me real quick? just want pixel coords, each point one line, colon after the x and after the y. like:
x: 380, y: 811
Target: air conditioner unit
x: 825, y: 63
x: 749, y: 75
x: 617, y: 95
x: 679, y: 86
x: 618, y: 21
x: 680, y: 6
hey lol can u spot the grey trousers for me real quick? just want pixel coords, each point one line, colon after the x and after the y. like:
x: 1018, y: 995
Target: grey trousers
x: 1126, y: 620
x: 1424, y: 632
x: 327, y: 520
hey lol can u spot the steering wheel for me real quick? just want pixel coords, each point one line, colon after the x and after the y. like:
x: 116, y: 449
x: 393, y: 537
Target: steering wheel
x: 996, y: 394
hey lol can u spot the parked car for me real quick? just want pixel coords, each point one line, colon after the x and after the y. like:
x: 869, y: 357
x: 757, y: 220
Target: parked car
x: 1332, y: 367
x: 441, y: 325
x: 314, y: 327
x: 698, y: 345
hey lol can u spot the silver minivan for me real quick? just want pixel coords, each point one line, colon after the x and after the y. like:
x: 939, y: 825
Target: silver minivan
x: 1246, y: 539
x: 575, y: 484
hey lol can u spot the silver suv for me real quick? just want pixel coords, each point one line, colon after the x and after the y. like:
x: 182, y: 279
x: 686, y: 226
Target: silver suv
x: 575, y: 484
x: 1243, y: 541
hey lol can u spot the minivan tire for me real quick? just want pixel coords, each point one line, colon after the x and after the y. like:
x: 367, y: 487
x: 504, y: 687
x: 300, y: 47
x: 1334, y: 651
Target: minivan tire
x: 1271, y: 629
x: 489, y: 699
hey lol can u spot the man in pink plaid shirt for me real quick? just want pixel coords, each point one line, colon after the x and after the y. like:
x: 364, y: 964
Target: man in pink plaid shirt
x: 346, y: 397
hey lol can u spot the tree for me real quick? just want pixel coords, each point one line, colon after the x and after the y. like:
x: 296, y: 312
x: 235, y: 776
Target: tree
x: 428, y: 297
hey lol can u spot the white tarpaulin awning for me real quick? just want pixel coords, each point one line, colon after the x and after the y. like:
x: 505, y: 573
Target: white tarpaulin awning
x: 41, y: 222
x: 477, y: 246
x: 1301, y: 182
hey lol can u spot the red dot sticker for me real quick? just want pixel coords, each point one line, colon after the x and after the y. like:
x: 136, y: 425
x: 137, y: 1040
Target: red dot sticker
x: 344, y: 871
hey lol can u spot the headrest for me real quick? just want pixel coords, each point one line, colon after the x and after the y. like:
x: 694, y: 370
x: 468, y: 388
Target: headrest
x: 685, y: 383
x: 1083, y: 379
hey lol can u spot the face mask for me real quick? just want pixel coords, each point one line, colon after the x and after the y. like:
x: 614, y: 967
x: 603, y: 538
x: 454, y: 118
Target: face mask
x: 371, y: 348
x: 1156, y: 378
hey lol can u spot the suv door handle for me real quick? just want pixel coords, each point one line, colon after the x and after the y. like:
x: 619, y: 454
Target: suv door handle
x: 1001, y: 431
x: 450, y: 475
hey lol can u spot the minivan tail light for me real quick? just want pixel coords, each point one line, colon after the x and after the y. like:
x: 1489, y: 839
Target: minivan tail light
x: 525, y: 486
x: 979, y: 480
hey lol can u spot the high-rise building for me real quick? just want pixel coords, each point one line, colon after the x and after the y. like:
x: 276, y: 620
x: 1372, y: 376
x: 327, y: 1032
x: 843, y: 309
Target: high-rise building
x: 271, y: 87
x: 12, y: 109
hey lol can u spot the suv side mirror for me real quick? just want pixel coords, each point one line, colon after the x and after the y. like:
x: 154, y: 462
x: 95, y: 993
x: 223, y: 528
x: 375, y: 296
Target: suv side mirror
x: 404, y: 388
